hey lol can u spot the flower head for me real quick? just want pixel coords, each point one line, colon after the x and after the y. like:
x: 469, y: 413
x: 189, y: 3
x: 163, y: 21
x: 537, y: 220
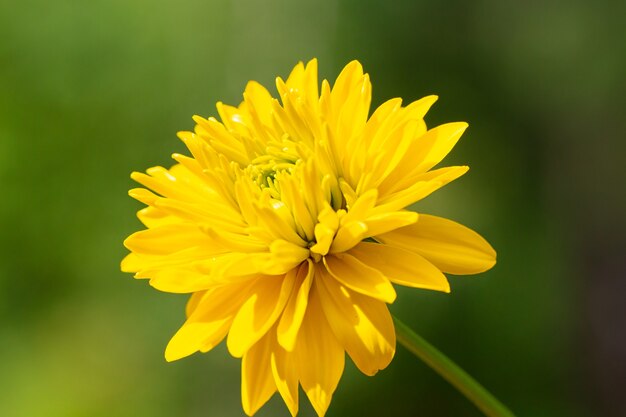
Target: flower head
x: 288, y: 227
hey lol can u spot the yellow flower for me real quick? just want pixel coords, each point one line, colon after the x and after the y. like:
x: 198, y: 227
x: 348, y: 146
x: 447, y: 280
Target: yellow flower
x: 288, y: 226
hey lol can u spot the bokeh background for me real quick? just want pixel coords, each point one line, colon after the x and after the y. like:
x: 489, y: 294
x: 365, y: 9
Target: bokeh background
x: 92, y: 90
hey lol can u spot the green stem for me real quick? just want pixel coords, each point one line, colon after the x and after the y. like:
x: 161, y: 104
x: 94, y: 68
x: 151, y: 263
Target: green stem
x: 450, y: 371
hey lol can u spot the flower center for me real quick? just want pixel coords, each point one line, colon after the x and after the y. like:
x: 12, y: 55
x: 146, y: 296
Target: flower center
x: 278, y: 156
x: 303, y: 193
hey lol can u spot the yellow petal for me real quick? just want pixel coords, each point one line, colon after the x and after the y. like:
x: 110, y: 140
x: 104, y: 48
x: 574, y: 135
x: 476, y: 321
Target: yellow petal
x: 383, y: 159
x: 234, y: 119
x: 194, y: 212
x: 288, y: 116
x: 168, y: 239
x: 233, y: 242
x: 289, y: 252
x: 349, y: 106
x: 425, y: 185
x: 175, y: 272
x: 276, y: 224
x: 294, y: 80
x: 418, y: 109
x: 320, y: 357
x: 141, y: 194
x: 291, y: 196
x: 186, y: 272
x: 194, y: 336
x: 324, y: 237
x: 257, y: 381
x: 265, y: 303
x: 438, y: 142
x: 427, y: 150
x: 348, y: 192
x: 384, y: 222
x: 359, y: 277
x: 209, y: 322
x: 194, y: 169
x: 131, y: 263
x: 359, y: 209
x: 259, y: 102
x: 302, y: 81
x: 222, y: 268
x: 345, y: 83
x: 178, y: 280
x: 193, y: 302
x: 177, y: 182
x: 285, y: 371
x: 293, y: 314
x: 448, y: 245
x: 329, y: 217
x: 381, y: 122
x: 401, y: 266
x: 362, y: 324
x: 348, y: 236
x: 325, y: 230
x: 153, y: 217
x: 222, y: 140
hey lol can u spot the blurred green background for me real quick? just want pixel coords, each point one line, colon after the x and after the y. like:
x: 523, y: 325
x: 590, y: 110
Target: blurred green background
x: 90, y: 91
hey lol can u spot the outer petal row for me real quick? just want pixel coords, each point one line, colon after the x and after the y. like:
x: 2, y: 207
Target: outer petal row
x: 401, y: 266
x: 450, y: 246
x: 317, y: 363
x: 362, y: 324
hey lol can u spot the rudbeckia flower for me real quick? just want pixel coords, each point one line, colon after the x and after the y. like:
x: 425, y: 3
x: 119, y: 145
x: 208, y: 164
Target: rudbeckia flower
x: 288, y: 227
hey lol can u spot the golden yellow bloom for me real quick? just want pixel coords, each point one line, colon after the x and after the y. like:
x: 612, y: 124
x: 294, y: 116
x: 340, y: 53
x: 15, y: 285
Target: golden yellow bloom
x: 288, y: 227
